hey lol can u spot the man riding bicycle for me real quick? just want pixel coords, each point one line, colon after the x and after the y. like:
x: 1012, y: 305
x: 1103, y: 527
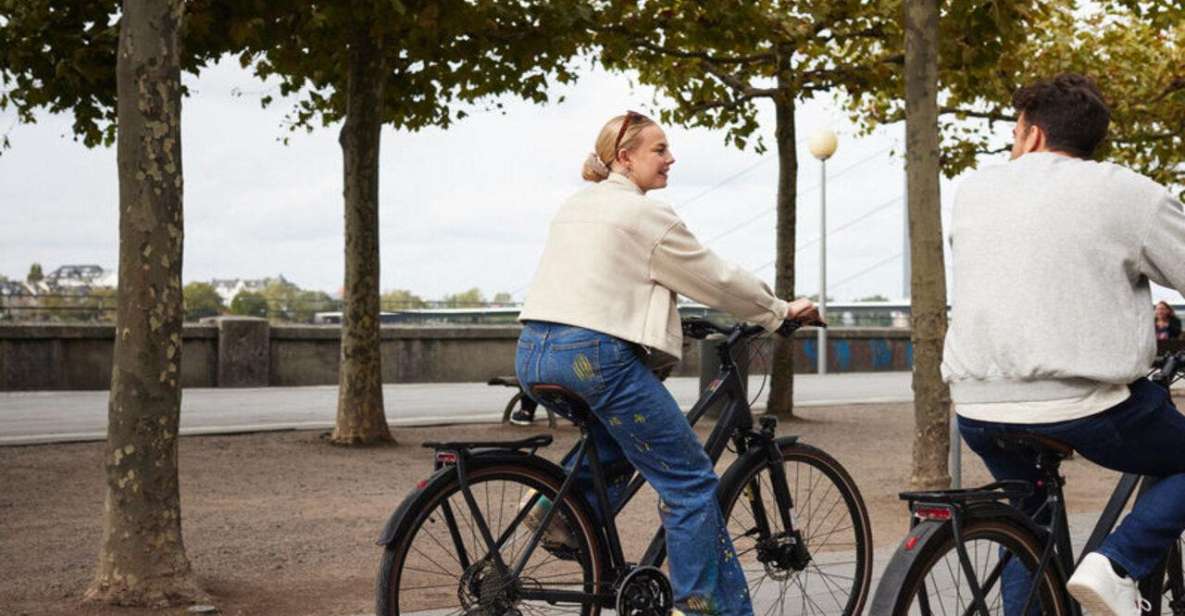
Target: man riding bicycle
x: 1052, y: 257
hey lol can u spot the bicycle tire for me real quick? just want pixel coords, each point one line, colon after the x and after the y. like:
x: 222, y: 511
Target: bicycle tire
x: 509, y: 410
x: 927, y: 559
x: 838, y: 569
x: 410, y: 566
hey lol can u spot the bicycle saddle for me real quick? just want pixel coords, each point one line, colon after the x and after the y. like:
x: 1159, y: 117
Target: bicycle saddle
x: 1036, y: 442
x: 563, y: 401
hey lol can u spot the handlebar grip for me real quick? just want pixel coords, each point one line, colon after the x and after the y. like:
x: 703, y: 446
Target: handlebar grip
x: 1169, y: 369
x: 701, y: 328
x: 788, y: 327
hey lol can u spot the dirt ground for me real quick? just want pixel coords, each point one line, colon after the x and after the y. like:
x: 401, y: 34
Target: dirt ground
x: 283, y: 523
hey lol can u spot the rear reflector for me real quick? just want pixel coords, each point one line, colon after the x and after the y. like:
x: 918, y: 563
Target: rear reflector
x: 932, y: 513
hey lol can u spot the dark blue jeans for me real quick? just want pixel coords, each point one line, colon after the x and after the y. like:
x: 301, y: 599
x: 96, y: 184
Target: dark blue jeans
x: 639, y: 425
x: 1144, y: 434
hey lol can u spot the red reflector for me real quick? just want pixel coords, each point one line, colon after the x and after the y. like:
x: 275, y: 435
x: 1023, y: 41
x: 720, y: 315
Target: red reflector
x: 446, y: 457
x: 911, y: 543
x: 932, y: 513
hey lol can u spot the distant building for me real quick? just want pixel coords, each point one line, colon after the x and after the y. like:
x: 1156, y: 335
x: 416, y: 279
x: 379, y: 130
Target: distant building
x: 228, y: 288
x: 14, y: 288
x: 80, y: 278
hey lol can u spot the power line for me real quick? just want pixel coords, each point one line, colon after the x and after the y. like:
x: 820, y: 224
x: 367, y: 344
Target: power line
x: 764, y: 158
x: 726, y: 180
x: 866, y: 270
x: 830, y: 232
x: 749, y: 221
x: 762, y: 213
x: 741, y: 225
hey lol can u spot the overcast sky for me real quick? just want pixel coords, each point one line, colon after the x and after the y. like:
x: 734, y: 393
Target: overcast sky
x: 459, y: 208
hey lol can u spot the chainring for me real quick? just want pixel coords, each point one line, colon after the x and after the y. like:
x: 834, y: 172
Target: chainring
x: 645, y: 591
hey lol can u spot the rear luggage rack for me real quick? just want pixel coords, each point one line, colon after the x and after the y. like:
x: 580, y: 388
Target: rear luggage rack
x: 531, y: 442
x: 1012, y: 489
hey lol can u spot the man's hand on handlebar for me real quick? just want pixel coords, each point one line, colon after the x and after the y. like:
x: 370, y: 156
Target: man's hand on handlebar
x: 804, y: 312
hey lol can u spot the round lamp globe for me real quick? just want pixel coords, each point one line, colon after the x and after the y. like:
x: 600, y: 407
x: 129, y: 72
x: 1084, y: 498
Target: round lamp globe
x: 823, y: 143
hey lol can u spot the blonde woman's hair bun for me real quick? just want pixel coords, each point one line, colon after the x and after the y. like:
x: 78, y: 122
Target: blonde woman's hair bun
x: 594, y: 169
x: 619, y: 133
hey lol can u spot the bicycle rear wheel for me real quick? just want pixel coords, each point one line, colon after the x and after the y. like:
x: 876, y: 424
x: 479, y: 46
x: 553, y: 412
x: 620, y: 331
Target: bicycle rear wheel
x: 821, y: 566
x: 439, y: 564
x: 937, y: 583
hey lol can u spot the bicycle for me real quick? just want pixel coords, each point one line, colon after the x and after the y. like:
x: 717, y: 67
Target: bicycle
x: 459, y: 544
x: 959, y: 541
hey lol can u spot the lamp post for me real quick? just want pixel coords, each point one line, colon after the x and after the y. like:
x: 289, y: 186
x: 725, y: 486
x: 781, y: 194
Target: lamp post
x: 822, y: 145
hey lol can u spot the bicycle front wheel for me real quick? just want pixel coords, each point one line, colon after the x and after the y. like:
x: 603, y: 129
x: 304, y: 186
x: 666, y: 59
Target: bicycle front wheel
x: 823, y: 564
x: 1002, y: 557
x: 440, y: 563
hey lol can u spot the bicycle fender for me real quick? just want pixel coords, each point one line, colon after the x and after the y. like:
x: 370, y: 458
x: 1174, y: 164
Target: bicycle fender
x: 884, y: 600
x: 396, y: 518
x: 399, y: 519
x: 893, y: 579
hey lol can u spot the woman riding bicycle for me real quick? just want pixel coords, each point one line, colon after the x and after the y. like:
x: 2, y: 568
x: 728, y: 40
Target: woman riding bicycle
x: 601, y: 314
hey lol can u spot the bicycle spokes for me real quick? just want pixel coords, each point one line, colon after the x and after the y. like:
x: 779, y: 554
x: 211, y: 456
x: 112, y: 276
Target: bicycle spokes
x: 809, y: 567
x: 449, y: 569
x: 948, y: 585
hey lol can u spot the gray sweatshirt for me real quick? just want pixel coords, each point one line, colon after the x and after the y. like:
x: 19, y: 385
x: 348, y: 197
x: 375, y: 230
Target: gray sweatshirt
x: 1051, y: 258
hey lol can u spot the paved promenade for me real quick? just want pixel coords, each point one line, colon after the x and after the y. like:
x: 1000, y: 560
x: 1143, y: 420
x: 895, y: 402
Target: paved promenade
x: 60, y: 416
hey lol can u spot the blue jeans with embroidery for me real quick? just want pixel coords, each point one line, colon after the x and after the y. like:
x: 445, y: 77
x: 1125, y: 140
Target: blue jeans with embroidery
x: 1143, y: 434
x: 639, y: 426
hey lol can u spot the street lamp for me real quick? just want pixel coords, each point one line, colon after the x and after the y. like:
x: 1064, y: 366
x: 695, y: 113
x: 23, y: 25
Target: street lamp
x: 822, y: 145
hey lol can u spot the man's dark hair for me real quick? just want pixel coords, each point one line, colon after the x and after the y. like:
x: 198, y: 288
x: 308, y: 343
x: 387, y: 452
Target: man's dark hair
x: 1070, y: 109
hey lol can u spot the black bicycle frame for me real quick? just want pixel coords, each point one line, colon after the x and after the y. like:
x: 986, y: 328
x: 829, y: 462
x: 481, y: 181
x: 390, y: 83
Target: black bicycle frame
x: 735, y: 421
x: 1059, y: 551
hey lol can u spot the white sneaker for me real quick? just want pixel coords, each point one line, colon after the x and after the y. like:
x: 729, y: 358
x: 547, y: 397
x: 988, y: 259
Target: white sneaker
x: 1102, y: 592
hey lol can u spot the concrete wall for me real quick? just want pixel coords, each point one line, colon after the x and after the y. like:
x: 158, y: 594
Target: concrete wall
x: 74, y: 357
x: 308, y: 355
x: 34, y: 357
x: 238, y: 352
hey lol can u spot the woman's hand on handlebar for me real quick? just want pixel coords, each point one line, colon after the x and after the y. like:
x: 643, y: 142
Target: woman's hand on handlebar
x: 804, y: 312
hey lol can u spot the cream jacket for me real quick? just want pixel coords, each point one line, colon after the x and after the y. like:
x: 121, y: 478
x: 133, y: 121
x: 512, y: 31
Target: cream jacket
x: 615, y: 260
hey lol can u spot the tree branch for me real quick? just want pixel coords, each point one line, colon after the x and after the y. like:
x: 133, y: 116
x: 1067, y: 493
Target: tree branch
x: 736, y: 84
x: 874, y: 32
x: 1174, y: 85
x: 683, y: 53
x: 986, y: 115
x: 1145, y: 138
x: 718, y: 104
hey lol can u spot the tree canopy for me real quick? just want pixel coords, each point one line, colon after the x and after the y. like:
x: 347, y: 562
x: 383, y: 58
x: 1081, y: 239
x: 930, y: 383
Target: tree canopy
x: 1135, y: 51
x: 716, y: 62
x: 436, y: 54
x: 35, y: 274
x: 249, y: 304
x: 201, y: 300
x: 473, y: 298
x: 402, y: 299
x: 60, y: 57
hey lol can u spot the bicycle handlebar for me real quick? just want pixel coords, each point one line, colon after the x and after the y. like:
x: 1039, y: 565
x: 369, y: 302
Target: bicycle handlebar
x: 702, y: 328
x: 1167, y: 368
